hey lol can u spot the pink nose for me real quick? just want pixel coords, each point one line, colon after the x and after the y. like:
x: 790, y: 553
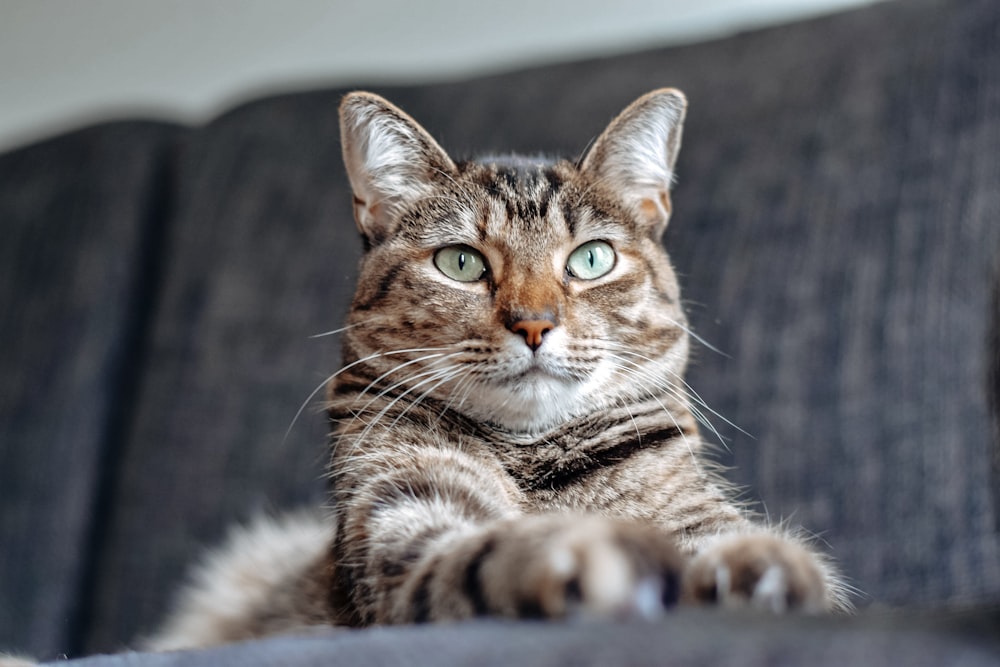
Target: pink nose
x: 533, y: 331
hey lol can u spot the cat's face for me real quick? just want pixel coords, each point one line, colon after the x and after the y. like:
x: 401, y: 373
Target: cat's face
x: 518, y: 292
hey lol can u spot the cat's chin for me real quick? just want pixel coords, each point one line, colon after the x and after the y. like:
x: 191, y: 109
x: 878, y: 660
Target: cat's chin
x: 533, y: 403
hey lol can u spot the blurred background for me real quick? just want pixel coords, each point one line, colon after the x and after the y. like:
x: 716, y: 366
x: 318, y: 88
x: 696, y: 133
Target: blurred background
x: 64, y: 64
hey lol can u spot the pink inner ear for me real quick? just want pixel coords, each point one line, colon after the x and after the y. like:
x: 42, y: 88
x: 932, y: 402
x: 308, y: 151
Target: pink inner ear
x: 649, y: 209
x: 360, y: 205
x: 653, y: 210
x: 665, y: 201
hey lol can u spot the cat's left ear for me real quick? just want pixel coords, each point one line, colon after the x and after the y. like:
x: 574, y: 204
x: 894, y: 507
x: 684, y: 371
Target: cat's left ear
x: 391, y: 162
x: 634, y: 158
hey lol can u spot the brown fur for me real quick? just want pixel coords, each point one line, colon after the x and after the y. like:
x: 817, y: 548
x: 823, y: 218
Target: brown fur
x: 523, y: 444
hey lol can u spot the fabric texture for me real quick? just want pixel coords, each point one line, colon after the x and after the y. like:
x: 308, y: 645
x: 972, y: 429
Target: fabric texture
x: 79, y: 218
x: 835, y: 230
x: 688, y: 639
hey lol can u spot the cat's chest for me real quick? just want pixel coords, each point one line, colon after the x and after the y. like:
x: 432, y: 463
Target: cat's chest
x: 574, y: 461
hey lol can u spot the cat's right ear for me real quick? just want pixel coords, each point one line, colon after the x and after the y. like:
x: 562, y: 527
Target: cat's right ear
x: 635, y: 156
x: 391, y: 162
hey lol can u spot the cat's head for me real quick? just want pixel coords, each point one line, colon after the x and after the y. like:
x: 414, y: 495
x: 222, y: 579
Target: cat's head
x: 518, y: 291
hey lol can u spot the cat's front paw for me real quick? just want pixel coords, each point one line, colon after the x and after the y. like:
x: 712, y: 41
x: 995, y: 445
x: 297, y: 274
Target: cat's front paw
x: 573, y: 566
x: 762, y: 571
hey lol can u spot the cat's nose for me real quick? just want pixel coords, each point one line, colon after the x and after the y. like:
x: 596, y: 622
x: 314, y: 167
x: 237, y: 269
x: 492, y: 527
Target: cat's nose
x: 533, y: 331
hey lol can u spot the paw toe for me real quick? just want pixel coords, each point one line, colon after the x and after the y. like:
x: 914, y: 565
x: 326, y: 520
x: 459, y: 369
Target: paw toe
x: 771, y: 591
x: 759, y: 571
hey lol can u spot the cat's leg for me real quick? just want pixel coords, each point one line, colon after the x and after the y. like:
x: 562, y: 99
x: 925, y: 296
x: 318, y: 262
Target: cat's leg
x: 440, y: 536
x: 545, y: 566
x: 736, y: 559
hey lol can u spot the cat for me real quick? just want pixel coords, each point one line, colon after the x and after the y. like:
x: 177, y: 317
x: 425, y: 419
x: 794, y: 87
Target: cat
x: 513, y: 436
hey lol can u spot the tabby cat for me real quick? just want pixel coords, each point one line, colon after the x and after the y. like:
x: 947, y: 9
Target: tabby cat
x: 512, y: 432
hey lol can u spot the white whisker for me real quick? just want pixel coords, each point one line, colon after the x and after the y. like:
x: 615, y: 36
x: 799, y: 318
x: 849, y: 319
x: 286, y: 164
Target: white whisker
x: 429, y: 377
x: 639, y: 376
x: 674, y: 392
x: 337, y: 331
x: 692, y: 394
x: 698, y: 338
x: 331, y: 378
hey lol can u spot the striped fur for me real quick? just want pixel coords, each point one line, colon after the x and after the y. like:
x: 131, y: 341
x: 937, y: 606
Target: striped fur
x: 477, y: 469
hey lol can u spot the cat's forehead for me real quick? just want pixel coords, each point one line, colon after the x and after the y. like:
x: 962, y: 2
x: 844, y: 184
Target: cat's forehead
x: 530, y: 202
x: 519, y: 193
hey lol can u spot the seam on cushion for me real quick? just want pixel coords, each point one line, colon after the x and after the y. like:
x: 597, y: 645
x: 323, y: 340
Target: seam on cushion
x: 993, y: 387
x: 151, y: 251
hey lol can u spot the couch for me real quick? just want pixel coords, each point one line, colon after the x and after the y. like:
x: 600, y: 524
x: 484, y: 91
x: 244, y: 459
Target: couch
x: 837, y: 233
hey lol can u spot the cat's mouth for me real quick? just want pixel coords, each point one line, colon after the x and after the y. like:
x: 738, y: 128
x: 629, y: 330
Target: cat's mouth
x: 540, y: 368
x: 537, y: 373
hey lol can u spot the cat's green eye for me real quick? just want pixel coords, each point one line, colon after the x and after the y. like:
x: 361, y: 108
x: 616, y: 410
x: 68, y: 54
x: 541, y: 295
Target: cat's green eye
x: 591, y: 260
x: 461, y: 263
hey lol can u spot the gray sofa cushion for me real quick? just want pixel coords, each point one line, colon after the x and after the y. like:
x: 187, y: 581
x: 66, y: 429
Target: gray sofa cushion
x: 835, y: 230
x: 688, y: 639
x: 80, y: 218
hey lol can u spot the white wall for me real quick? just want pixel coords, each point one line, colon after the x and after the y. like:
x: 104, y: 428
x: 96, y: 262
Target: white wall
x: 68, y: 62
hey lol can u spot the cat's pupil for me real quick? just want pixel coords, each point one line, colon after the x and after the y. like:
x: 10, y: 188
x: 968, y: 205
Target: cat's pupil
x: 461, y: 261
x: 590, y: 257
